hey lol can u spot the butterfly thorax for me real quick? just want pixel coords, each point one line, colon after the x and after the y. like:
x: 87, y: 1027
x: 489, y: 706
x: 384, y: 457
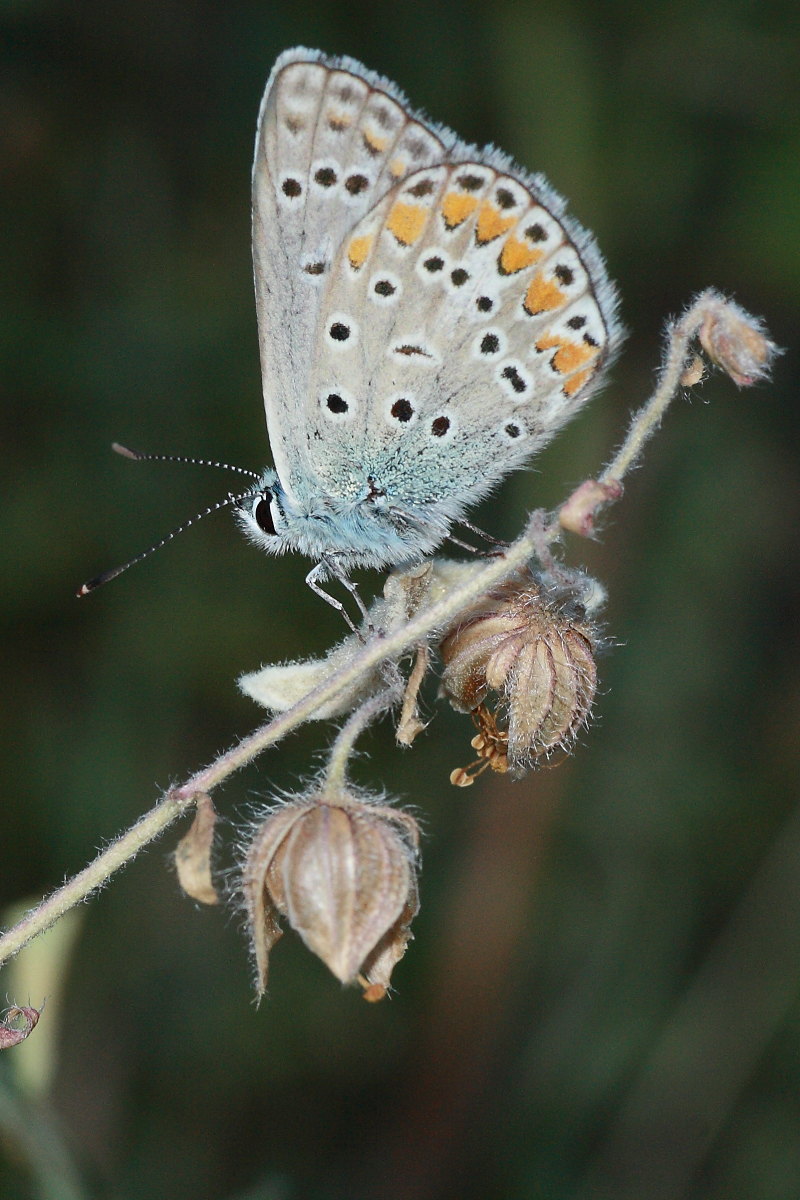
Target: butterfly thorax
x: 365, y: 529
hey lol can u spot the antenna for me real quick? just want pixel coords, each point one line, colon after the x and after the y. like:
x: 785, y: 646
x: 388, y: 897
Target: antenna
x: 137, y: 456
x: 92, y: 584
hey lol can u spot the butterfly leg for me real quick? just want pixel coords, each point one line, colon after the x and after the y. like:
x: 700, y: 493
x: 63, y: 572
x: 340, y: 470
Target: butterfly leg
x: 496, y: 553
x: 487, y: 537
x: 454, y: 541
x: 330, y: 563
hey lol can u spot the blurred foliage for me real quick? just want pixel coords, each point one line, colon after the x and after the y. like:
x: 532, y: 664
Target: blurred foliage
x: 602, y: 997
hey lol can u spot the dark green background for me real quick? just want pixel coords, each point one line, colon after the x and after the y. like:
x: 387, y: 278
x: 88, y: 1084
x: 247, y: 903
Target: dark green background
x: 602, y: 997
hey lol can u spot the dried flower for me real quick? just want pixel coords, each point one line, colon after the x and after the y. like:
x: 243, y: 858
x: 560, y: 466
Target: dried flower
x: 341, y: 869
x: 539, y: 657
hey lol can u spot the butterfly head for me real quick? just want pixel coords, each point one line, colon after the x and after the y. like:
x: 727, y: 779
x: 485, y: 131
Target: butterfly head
x: 262, y: 513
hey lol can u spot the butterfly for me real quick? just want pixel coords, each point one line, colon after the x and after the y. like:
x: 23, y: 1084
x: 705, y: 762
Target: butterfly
x: 428, y: 317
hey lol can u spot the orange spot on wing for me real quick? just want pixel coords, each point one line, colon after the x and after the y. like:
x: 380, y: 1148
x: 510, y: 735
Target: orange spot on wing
x: 358, y: 250
x: 491, y: 223
x: 406, y: 221
x: 543, y: 295
x: 516, y: 256
x: 571, y: 355
x: 575, y: 384
x: 456, y: 207
x: 397, y: 167
x: 549, y: 341
x: 373, y: 143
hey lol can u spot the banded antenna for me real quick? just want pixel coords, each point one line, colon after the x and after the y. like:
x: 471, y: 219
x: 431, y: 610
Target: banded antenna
x: 231, y: 499
x: 137, y: 456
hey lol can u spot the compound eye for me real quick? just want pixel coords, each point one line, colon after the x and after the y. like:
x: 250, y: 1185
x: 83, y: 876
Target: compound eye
x: 262, y: 513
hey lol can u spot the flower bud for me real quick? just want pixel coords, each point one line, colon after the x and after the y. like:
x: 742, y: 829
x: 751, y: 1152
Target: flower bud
x: 735, y: 340
x: 16, y: 1024
x: 342, y: 870
x: 538, y: 658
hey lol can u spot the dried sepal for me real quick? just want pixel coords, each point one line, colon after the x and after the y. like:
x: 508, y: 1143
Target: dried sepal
x: 577, y: 513
x: 262, y: 914
x: 341, y: 870
x: 409, y: 725
x: 193, y: 854
x: 534, y: 651
x: 277, y: 687
x: 377, y: 970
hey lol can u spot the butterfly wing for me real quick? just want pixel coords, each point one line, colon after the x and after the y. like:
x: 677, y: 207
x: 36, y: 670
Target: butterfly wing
x: 465, y: 321
x: 332, y: 140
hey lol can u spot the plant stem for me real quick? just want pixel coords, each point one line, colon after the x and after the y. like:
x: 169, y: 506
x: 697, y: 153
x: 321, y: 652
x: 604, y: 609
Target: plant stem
x: 647, y: 420
x: 342, y: 748
x: 77, y: 889
x: 179, y: 799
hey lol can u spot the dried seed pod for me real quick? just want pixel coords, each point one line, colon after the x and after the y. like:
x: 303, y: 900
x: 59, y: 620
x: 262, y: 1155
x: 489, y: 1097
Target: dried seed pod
x: 538, y: 656
x: 342, y: 870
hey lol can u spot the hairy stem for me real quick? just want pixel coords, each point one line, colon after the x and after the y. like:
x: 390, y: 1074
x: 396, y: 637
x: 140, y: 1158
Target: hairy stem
x: 733, y: 340
x: 646, y: 421
x: 77, y: 889
x: 336, y: 772
x: 180, y: 798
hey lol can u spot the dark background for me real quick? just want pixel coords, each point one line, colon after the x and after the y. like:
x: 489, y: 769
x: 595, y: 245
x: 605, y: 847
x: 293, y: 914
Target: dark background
x: 602, y: 996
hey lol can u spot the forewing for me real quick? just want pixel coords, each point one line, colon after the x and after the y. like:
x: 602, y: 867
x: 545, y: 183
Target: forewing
x: 332, y: 140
